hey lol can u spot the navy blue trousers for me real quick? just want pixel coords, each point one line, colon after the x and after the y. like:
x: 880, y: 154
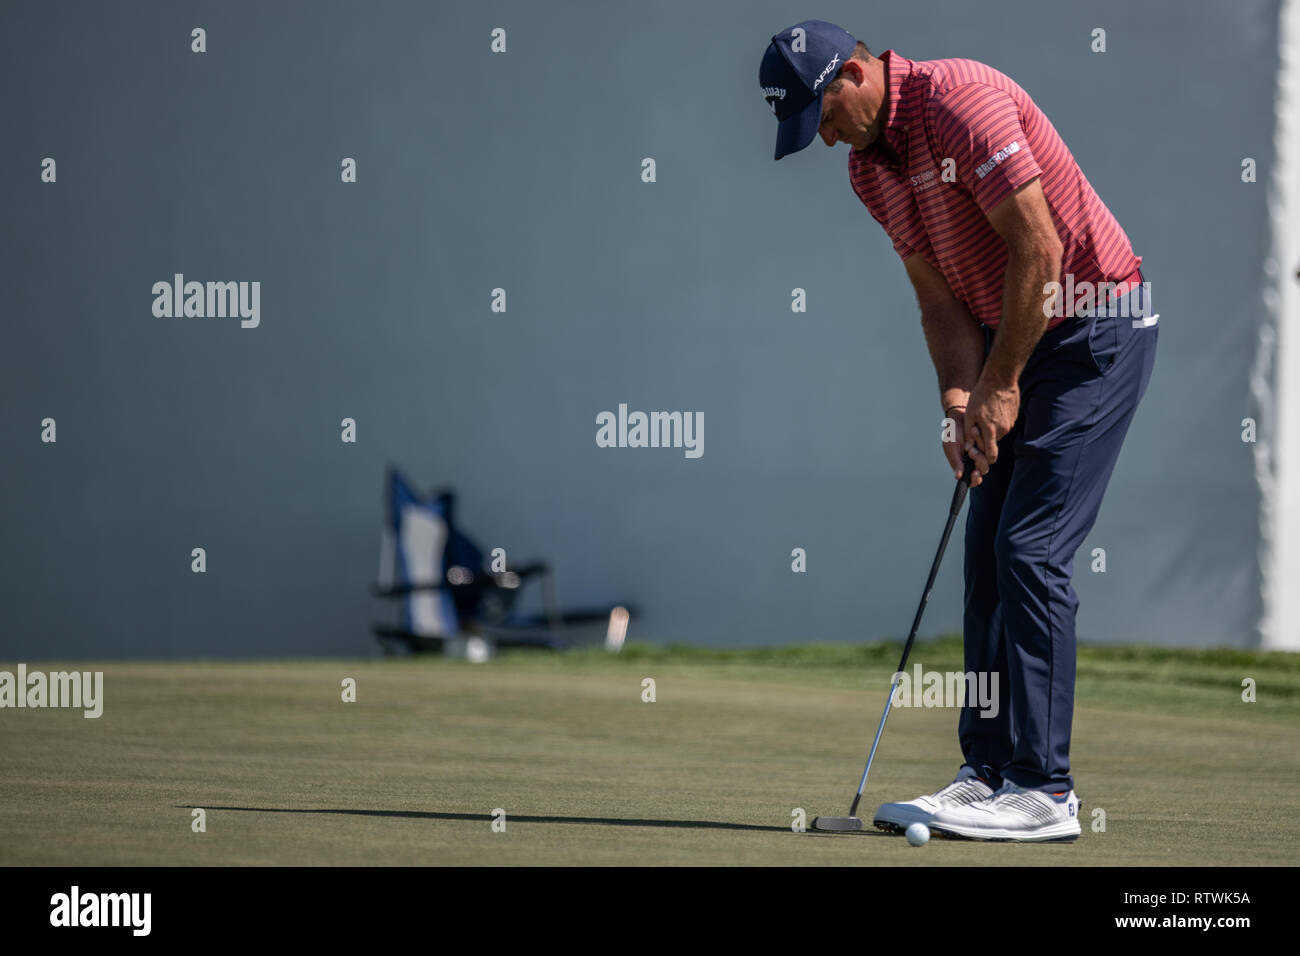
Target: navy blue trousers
x: 1078, y: 393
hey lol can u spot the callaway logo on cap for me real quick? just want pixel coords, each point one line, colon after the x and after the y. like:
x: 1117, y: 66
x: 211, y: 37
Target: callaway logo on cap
x: 796, y: 67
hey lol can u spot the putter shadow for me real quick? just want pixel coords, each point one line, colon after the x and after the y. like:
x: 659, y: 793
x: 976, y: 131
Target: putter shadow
x: 512, y: 818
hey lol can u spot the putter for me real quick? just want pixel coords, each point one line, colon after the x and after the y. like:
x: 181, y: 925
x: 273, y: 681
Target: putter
x: 851, y: 822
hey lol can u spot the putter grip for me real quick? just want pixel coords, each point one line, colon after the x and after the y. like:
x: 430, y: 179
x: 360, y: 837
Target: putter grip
x: 963, y: 485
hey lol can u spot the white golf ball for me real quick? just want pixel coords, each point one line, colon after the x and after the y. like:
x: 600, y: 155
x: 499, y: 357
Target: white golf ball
x: 918, y: 834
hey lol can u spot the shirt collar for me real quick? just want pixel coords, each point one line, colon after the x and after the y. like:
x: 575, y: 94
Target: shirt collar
x: 897, y: 70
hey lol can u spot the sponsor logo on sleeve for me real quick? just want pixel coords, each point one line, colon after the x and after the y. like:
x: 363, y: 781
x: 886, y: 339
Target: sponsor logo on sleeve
x: 986, y: 167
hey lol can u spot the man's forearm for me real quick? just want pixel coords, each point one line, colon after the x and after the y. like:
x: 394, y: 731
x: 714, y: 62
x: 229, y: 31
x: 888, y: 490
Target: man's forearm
x: 1023, y: 320
x: 956, y: 343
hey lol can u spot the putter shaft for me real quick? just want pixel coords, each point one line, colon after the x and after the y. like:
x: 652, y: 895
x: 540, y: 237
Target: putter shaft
x: 958, y: 497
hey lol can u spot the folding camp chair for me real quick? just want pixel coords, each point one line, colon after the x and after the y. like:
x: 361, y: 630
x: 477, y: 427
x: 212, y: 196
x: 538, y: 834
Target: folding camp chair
x: 452, y: 602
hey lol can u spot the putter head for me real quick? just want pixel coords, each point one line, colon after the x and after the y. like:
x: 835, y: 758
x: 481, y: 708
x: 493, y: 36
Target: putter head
x: 837, y: 824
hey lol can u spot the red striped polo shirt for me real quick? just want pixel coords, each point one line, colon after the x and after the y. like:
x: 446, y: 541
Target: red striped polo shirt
x: 998, y: 140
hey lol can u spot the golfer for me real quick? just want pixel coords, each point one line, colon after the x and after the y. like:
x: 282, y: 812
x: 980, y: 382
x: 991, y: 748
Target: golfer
x: 1039, y: 323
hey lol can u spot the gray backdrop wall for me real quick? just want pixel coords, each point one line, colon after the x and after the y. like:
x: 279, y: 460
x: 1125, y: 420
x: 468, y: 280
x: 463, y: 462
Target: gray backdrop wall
x: 522, y: 171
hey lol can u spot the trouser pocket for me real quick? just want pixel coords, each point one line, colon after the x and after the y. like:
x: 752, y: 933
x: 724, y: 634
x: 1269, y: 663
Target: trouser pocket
x: 1103, y: 341
x: 1115, y: 326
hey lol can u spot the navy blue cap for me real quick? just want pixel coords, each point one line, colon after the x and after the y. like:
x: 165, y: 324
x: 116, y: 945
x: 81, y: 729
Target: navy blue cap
x: 798, y: 64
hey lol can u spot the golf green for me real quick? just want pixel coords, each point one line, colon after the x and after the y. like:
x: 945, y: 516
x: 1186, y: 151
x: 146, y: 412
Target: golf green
x: 1166, y: 753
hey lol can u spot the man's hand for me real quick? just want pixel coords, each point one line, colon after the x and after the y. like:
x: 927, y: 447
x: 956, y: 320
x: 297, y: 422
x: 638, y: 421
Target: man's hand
x: 991, y: 412
x: 952, y: 450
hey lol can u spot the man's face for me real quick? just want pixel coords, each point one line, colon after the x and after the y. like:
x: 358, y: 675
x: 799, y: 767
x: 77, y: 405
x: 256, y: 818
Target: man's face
x: 849, y: 113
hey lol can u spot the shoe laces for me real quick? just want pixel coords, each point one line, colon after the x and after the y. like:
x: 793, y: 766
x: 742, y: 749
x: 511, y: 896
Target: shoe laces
x: 1029, y: 802
x: 960, y: 790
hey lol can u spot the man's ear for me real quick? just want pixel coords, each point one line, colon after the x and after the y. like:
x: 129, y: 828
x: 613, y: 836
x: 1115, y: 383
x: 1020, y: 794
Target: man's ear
x: 854, y: 71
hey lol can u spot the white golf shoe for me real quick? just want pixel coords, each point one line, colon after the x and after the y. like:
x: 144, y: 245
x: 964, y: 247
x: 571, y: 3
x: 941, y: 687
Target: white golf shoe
x: 959, y: 793
x: 1013, y: 813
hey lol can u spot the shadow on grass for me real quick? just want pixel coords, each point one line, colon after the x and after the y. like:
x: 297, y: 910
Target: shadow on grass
x: 525, y: 818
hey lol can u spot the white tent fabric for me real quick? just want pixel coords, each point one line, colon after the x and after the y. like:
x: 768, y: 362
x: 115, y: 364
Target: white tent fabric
x: 1277, y: 390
